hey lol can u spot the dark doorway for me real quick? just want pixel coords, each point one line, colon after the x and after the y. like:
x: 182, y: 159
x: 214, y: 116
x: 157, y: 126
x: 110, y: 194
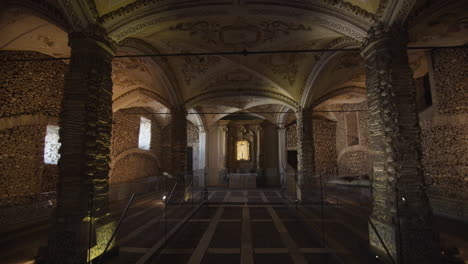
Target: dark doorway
x: 292, y: 158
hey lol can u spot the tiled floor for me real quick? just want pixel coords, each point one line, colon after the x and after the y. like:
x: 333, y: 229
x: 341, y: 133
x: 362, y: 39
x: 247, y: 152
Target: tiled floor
x: 241, y: 226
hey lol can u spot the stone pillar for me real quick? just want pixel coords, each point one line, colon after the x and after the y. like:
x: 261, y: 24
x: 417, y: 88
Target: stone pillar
x: 305, y: 155
x: 282, y: 162
x: 81, y: 222
x: 179, y: 146
x: 401, y: 212
x: 259, y: 158
x: 202, y: 157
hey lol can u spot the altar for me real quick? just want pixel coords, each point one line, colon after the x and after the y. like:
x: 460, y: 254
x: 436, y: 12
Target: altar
x: 242, y: 156
x: 243, y: 180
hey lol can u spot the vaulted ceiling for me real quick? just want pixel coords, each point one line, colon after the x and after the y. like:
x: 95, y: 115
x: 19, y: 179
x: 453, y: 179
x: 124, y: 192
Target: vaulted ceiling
x: 230, y: 83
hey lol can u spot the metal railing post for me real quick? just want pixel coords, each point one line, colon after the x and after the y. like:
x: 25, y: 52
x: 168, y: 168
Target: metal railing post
x: 116, y: 228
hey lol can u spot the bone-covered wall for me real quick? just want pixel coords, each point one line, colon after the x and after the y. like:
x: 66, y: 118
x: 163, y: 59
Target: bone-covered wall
x: 31, y: 94
x: 444, y: 130
x: 134, y: 169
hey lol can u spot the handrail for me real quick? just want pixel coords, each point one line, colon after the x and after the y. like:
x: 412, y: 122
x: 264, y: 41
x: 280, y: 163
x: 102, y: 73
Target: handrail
x: 170, y: 195
x: 116, y: 228
x: 381, y: 240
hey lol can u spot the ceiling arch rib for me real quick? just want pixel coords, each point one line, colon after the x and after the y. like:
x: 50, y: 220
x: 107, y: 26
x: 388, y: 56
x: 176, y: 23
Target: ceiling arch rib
x: 129, y: 98
x: 322, y: 63
x: 333, y: 18
x: 197, y: 119
x: 234, y: 93
x: 234, y: 75
x: 160, y: 67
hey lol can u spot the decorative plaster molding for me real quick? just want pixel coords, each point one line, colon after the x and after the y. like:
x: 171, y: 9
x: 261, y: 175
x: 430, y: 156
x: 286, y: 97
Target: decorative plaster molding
x: 332, y: 15
x: 197, y: 65
x: 215, y: 33
x: 287, y: 70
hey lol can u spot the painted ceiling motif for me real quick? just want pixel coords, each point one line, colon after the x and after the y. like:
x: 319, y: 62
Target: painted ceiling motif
x: 197, y: 65
x: 234, y: 33
x: 226, y: 26
x: 240, y: 34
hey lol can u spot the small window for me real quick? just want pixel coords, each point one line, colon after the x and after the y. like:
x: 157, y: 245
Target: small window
x: 52, y: 145
x: 352, y: 137
x: 243, y: 150
x: 144, y: 139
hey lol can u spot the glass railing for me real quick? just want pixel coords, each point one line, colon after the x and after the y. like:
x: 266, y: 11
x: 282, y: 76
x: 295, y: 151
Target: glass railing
x: 339, y: 216
x: 149, y: 219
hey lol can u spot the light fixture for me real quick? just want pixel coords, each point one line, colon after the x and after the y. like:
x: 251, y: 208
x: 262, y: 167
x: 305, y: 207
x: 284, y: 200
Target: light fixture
x: 403, y: 198
x: 164, y: 197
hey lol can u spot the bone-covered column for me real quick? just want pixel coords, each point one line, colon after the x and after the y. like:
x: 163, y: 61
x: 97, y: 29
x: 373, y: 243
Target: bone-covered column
x: 401, y: 213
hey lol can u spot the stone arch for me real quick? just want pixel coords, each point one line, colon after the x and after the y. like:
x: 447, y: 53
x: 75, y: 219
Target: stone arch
x: 323, y: 62
x: 343, y: 18
x: 161, y: 67
x: 338, y: 92
x: 129, y: 152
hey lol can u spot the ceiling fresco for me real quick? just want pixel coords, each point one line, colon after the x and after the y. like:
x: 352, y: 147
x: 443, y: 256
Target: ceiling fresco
x: 230, y: 83
x: 280, y: 72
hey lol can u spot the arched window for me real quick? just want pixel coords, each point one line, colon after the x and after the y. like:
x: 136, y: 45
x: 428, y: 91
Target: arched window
x: 243, y: 150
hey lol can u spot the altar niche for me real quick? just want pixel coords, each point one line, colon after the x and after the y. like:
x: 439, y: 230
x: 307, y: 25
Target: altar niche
x: 243, y: 152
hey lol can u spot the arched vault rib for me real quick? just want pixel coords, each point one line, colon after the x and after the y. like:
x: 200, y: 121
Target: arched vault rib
x: 342, y: 21
x: 197, y: 119
x: 322, y: 63
x: 279, y: 98
x: 239, y: 68
x: 129, y: 152
x: 338, y: 92
x: 129, y: 97
x: 161, y: 68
